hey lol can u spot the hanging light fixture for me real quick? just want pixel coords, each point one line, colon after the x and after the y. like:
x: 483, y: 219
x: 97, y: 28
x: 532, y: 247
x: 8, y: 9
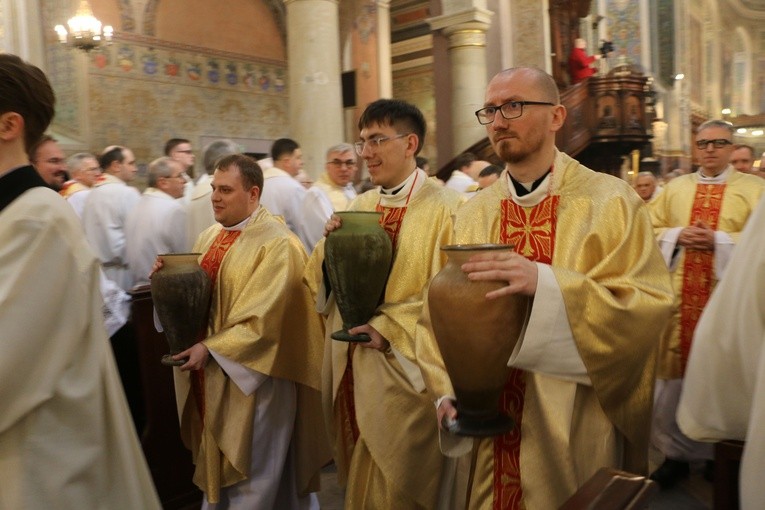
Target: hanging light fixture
x: 85, y: 32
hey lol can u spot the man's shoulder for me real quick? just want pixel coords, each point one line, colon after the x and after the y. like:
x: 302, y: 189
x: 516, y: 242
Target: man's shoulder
x: 749, y: 180
x: 40, y: 203
x: 115, y: 189
x: 42, y: 211
x: 266, y: 230
x: 580, y: 179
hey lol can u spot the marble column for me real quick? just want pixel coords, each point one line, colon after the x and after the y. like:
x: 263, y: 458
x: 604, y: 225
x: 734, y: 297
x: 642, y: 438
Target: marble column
x: 466, y: 35
x: 21, y: 30
x: 313, y: 53
x: 384, y: 62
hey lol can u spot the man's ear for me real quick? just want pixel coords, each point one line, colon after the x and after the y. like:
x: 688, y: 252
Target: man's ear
x: 255, y: 193
x: 559, y: 117
x: 11, y: 126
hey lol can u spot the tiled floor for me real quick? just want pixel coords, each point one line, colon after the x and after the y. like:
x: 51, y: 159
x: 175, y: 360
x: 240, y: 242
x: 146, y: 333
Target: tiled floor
x: 694, y: 493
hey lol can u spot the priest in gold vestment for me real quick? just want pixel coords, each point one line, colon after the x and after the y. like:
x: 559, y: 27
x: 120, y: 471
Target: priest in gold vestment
x: 581, y: 378
x: 250, y: 410
x: 380, y: 418
x: 698, y: 219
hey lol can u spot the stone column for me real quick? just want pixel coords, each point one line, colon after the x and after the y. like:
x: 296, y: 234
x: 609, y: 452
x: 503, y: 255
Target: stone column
x: 384, y: 63
x: 21, y: 32
x: 313, y: 53
x: 466, y: 34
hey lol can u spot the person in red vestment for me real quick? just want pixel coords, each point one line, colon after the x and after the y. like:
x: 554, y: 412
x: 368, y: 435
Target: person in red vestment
x: 579, y: 62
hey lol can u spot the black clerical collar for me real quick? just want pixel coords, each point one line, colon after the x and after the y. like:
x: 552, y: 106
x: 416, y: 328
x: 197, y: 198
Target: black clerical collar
x: 521, y: 190
x: 16, y: 182
x: 393, y: 191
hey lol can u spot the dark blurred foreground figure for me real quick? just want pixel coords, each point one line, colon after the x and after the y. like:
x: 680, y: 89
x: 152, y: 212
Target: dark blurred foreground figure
x: 66, y: 437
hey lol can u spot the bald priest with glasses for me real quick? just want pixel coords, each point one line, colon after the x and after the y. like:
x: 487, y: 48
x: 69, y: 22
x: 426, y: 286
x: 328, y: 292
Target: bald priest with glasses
x: 697, y: 220
x: 582, y: 372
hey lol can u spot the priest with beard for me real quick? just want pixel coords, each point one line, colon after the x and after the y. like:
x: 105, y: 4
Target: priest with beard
x: 580, y: 384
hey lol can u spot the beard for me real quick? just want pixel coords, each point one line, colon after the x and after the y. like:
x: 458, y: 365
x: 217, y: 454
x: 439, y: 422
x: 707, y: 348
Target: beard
x: 517, y: 150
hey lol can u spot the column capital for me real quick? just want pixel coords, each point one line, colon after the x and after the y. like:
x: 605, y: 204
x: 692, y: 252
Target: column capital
x: 474, y: 19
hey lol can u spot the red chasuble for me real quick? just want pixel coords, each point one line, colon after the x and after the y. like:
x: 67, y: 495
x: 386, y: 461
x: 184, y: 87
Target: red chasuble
x: 698, y: 266
x: 532, y: 232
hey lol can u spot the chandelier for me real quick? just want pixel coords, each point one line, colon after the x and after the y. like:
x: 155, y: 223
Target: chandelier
x: 85, y: 31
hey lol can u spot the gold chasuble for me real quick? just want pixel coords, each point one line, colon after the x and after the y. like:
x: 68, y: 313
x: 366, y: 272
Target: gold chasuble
x: 71, y: 187
x: 595, y: 234
x: 723, y: 207
x: 261, y: 317
x: 381, y: 420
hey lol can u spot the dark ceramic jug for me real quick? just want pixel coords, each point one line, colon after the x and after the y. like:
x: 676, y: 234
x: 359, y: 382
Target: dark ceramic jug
x: 476, y: 337
x: 181, y: 292
x: 358, y: 257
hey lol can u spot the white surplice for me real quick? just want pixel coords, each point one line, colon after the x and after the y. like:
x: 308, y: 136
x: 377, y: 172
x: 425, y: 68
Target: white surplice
x: 321, y: 200
x: 66, y: 436
x: 283, y: 196
x: 200, y: 214
x: 104, y: 216
x: 77, y: 201
x: 156, y: 225
x: 724, y: 392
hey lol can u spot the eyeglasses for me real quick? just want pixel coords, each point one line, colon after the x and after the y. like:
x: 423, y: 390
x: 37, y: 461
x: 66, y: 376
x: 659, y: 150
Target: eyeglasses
x: 509, y: 110
x: 348, y: 162
x: 375, y: 143
x: 717, y: 143
x: 186, y: 151
x: 179, y: 176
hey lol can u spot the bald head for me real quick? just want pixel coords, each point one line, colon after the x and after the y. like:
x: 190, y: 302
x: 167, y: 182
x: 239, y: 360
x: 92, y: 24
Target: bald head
x: 539, y: 79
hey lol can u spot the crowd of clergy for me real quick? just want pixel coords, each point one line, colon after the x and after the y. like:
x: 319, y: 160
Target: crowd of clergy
x: 628, y: 341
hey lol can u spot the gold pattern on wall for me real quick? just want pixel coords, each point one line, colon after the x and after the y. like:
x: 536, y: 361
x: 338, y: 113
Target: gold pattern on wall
x: 142, y: 95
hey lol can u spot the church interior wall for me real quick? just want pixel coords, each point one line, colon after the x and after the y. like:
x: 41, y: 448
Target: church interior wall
x: 202, y: 70
x: 188, y: 81
x: 415, y: 85
x: 622, y: 21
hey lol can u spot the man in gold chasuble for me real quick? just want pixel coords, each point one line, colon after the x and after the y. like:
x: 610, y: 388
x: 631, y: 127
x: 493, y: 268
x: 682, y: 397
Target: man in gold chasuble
x: 697, y: 220
x: 581, y: 380
x: 380, y: 418
x: 248, y: 396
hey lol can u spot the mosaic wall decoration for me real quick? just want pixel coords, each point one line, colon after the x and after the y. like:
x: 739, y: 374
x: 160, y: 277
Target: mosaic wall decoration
x: 63, y: 73
x: 624, y: 25
x: 528, y: 34
x: 665, y: 37
x: 141, y: 95
x: 416, y: 86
